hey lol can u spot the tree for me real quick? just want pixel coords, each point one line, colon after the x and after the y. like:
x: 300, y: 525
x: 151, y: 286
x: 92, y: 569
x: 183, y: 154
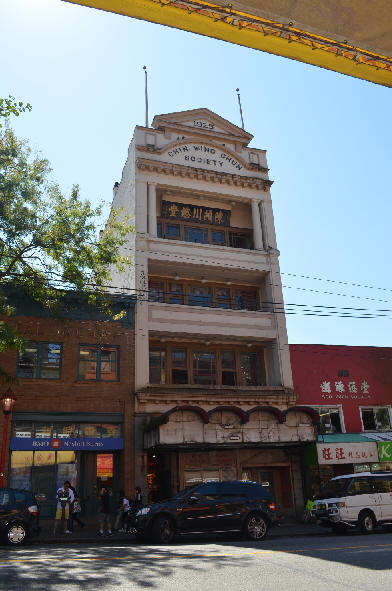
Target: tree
x: 10, y: 106
x: 49, y: 243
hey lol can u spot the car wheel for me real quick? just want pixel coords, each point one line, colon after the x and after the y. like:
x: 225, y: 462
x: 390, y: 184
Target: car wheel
x: 163, y: 530
x: 256, y: 527
x: 367, y: 522
x: 15, y: 534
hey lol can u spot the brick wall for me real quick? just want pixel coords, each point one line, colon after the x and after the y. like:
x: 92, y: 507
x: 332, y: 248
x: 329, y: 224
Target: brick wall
x: 68, y: 394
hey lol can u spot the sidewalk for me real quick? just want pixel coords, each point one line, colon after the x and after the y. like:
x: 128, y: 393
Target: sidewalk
x: 287, y: 529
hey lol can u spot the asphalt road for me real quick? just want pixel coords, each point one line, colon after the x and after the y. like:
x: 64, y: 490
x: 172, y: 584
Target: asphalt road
x: 330, y: 563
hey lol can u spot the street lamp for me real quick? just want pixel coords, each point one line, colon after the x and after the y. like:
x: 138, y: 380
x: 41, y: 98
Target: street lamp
x: 7, y: 402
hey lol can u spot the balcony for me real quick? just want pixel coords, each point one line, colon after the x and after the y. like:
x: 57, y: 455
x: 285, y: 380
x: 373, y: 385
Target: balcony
x: 214, y: 322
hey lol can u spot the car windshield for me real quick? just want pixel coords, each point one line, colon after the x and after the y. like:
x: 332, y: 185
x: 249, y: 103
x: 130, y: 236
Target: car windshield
x: 184, y: 492
x: 334, y: 488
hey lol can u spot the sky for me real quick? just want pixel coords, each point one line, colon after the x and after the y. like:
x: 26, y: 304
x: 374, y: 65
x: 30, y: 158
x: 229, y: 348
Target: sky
x: 327, y: 138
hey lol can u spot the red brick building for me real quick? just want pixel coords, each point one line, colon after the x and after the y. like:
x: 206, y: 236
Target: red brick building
x: 73, y: 418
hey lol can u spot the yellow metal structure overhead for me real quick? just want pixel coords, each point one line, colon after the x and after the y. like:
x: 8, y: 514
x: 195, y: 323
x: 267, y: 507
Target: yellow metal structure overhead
x: 353, y: 37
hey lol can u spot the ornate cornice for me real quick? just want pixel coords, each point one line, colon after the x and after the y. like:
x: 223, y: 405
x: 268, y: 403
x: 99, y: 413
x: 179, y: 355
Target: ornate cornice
x: 202, y: 174
x: 149, y: 398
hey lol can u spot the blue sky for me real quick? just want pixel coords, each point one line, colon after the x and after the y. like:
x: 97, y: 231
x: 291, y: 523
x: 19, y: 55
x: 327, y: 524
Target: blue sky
x: 327, y: 138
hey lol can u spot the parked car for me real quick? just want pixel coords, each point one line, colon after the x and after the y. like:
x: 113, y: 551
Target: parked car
x: 210, y: 507
x: 361, y: 500
x: 19, y: 516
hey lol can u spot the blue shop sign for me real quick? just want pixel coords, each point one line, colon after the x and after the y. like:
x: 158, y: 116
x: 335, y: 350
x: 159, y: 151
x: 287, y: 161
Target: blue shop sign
x: 67, y: 443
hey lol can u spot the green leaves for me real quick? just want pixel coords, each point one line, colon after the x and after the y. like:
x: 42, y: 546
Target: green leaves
x: 50, y: 242
x: 10, y: 106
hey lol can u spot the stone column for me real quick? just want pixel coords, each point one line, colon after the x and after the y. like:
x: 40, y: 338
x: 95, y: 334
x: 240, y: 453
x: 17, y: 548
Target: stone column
x: 257, y: 231
x: 152, y: 209
x: 141, y: 207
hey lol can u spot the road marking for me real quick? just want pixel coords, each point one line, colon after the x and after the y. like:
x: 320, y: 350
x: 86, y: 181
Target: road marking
x: 215, y: 555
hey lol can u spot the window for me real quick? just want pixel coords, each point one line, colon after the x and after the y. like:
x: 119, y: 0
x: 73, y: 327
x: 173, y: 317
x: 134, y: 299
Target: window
x: 198, y: 293
x: 229, y: 377
x: 98, y: 362
x: 156, y: 291
x: 199, y: 296
x: 375, y: 419
x: 205, y: 234
x: 186, y: 364
x: 246, y: 299
x: 383, y: 485
x: 179, y: 366
x: 343, y: 373
x: 40, y: 360
x: 157, y: 366
x: 222, y: 295
x: 218, y: 237
x: 360, y: 486
x: 196, y: 235
x: 176, y: 294
x: 239, y: 240
x: 172, y: 231
x: 208, y: 490
x: 329, y: 419
x: 204, y: 367
x: 250, y: 369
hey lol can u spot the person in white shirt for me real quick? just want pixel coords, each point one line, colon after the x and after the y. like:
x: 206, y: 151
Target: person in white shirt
x: 64, y: 497
x: 123, y: 508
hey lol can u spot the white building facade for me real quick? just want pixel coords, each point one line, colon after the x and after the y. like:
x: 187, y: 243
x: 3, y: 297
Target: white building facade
x: 214, y: 393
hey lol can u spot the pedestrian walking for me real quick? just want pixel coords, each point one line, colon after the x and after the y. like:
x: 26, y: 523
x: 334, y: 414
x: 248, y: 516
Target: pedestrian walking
x: 74, y: 509
x: 122, y: 511
x: 64, y: 497
x: 133, y: 509
x: 104, y: 512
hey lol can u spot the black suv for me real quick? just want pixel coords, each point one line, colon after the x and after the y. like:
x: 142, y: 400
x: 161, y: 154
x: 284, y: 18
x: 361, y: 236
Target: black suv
x: 19, y: 516
x: 210, y: 507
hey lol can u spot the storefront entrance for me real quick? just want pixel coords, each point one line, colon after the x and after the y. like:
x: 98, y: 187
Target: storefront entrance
x: 43, y: 455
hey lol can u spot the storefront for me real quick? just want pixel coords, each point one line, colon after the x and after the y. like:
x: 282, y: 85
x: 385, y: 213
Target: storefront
x: 48, y: 448
x: 335, y: 455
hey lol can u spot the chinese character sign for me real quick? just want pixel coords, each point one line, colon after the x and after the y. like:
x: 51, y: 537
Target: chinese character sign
x: 347, y: 453
x: 345, y: 390
x: 195, y: 213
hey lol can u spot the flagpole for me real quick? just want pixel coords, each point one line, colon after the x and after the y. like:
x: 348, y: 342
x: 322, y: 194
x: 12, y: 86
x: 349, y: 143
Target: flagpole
x: 146, y: 93
x: 239, y: 103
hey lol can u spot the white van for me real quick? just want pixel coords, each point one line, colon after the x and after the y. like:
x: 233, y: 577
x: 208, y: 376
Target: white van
x: 363, y: 499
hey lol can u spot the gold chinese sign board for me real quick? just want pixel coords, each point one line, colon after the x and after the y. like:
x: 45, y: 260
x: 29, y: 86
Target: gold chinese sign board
x: 353, y: 37
x: 195, y: 213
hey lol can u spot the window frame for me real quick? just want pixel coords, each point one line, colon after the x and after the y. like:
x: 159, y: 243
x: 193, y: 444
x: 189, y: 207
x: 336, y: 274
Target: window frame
x: 229, y: 233
x: 156, y: 283
x: 374, y: 408
x: 194, y: 347
x: 38, y: 368
x: 338, y: 407
x: 98, y: 368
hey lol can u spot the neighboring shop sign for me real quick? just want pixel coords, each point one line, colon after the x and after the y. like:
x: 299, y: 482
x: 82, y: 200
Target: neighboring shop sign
x: 385, y: 451
x: 195, y: 213
x: 346, y: 453
x: 345, y: 390
x: 67, y: 444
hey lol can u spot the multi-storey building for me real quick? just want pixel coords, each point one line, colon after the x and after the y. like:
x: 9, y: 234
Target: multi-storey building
x: 351, y: 389
x: 73, y: 415
x: 214, y: 392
